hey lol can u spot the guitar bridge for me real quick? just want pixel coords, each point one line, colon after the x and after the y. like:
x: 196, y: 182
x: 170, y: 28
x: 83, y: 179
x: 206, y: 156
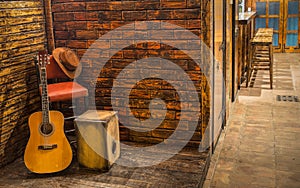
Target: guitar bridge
x: 47, y: 147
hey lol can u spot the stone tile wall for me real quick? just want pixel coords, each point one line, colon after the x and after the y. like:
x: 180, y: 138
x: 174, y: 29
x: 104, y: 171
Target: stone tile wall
x: 21, y: 36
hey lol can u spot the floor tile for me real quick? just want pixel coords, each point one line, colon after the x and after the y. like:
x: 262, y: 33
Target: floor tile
x: 261, y: 146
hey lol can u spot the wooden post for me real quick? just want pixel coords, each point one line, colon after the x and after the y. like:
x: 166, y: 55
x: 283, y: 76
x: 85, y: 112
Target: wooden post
x: 49, y: 25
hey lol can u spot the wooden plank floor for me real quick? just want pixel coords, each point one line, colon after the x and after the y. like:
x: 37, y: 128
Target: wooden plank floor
x: 185, y: 169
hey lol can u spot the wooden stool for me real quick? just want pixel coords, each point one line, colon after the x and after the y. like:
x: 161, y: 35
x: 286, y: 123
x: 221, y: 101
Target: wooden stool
x: 261, y: 53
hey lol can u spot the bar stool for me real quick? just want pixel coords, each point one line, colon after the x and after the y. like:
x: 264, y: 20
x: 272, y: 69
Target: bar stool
x: 261, y: 54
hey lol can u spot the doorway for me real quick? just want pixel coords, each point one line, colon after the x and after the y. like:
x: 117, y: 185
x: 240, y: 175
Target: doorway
x: 283, y: 16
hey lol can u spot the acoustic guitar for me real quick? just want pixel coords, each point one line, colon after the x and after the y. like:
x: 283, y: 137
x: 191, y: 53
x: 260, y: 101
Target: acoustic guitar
x: 48, y: 149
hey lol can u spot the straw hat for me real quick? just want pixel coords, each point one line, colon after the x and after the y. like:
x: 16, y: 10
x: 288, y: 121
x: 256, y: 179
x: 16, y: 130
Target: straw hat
x: 67, y: 61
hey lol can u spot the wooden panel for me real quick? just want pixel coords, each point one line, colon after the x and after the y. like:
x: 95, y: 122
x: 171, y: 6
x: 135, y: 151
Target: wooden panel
x: 246, y: 32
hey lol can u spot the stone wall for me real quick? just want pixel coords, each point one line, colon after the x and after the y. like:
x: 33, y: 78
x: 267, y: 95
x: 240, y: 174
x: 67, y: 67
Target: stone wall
x: 77, y: 24
x: 21, y: 36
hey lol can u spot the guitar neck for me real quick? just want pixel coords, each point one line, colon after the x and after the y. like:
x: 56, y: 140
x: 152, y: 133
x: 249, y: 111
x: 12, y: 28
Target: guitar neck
x: 45, y: 100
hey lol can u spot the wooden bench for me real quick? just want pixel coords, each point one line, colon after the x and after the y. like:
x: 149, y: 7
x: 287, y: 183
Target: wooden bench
x: 261, y: 57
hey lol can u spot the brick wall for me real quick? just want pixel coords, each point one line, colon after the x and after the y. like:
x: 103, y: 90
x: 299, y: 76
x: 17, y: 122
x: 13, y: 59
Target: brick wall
x: 77, y: 24
x: 21, y: 36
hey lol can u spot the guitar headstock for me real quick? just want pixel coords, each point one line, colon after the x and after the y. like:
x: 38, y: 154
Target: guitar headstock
x: 43, y: 58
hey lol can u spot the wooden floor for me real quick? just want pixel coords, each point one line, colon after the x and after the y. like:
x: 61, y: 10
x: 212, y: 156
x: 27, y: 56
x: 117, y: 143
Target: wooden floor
x: 185, y: 169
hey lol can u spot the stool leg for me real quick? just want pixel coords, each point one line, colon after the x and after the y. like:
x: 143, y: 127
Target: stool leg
x: 249, y: 69
x: 271, y: 78
x: 76, y: 106
x: 271, y: 65
x: 86, y: 103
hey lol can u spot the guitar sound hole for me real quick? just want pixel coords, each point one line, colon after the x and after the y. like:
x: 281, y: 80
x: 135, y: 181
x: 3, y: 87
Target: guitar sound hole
x: 46, y: 129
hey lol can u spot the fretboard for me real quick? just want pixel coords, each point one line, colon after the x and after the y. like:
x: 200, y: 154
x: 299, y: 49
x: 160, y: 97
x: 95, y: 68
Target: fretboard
x: 45, y: 100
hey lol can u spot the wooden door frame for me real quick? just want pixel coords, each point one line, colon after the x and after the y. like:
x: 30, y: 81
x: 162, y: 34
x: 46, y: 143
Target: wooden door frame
x: 235, y: 31
x: 214, y: 47
x: 285, y: 17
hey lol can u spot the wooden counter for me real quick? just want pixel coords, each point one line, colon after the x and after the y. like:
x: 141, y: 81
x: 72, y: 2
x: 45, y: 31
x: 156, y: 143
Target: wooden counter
x: 246, y: 32
x: 246, y: 17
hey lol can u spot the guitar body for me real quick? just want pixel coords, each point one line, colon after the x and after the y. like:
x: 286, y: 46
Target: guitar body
x: 47, y: 153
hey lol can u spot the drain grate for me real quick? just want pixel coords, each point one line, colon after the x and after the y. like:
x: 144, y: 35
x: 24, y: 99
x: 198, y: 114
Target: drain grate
x: 287, y: 98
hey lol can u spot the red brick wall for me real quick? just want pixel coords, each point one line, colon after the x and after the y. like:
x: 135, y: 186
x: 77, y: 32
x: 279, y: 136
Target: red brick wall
x: 77, y: 24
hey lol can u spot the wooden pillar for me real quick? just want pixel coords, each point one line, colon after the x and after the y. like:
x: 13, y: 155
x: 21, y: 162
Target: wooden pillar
x: 49, y: 25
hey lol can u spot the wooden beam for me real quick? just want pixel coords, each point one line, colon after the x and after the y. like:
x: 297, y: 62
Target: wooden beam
x: 49, y: 25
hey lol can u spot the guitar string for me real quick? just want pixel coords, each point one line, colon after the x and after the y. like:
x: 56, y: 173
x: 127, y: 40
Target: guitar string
x: 45, y: 106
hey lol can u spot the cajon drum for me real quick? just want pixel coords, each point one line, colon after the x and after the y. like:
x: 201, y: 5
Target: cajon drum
x: 98, y: 140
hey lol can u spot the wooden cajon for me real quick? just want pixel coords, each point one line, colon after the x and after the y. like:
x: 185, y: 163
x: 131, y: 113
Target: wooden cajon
x: 98, y: 140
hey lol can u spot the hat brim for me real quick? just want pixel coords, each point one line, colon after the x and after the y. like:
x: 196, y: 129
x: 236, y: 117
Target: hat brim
x: 71, y: 74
